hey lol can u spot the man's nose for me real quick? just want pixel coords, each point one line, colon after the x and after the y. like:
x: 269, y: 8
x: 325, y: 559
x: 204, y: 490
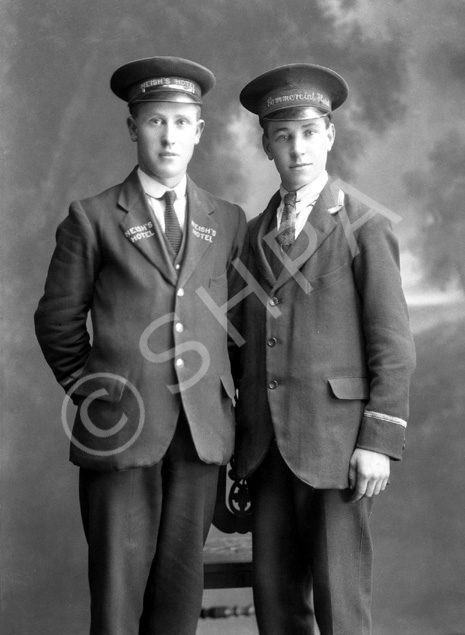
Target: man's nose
x: 168, y: 134
x: 298, y: 146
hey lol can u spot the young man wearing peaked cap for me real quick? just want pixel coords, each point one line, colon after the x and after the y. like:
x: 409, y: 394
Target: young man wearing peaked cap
x: 154, y: 387
x: 323, y: 397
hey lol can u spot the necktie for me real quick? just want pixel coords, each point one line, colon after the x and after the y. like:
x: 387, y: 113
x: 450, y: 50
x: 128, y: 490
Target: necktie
x: 286, y: 234
x: 172, y: 228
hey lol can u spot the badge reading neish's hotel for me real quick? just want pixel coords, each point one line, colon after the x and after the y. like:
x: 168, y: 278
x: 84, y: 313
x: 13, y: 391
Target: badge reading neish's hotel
x: 204, y: 233
x: 139, y: 232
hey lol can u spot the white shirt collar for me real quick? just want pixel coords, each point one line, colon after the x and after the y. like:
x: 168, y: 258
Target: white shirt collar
x: 308, y: 193
x: 155, y: 189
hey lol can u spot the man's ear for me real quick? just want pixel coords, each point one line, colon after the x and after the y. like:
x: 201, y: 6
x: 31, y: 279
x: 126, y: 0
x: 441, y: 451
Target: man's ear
x: 132, y: 127
x: 200, y: 129
x: 266, y: 147
x: 331, y: 136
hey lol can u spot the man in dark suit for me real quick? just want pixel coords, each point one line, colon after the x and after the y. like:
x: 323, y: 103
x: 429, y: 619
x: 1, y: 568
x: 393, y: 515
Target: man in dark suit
x: 153, y: 385
x: 323, y: 397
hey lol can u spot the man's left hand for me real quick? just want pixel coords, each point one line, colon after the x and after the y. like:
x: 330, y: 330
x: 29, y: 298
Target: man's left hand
x: 368, y: 473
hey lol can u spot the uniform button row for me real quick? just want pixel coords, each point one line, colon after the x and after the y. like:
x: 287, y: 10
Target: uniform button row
x: 272, y: 384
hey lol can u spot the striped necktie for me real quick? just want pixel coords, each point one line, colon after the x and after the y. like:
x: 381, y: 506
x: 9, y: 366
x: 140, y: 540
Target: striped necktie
x: 286, y: 235
x: 173, y: 230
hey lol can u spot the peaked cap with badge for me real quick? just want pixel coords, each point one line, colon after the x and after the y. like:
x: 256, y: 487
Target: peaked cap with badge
x: 162, y: 78
x: 304, y: 86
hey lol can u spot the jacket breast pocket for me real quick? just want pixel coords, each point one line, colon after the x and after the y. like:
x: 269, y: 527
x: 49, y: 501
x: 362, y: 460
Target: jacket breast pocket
x: 218, y: 281
x: 330, y: 278
x: 350, y: 387
x: 217, y: 290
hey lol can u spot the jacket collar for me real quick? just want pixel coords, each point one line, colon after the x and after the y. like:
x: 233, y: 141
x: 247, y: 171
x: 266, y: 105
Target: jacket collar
x: 201, y: 229
x: 321, y: 222
x: 138, y: 227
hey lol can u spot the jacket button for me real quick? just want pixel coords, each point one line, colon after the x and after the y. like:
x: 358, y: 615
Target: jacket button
x: 180, y: 363
x: 272, y: 384
x: 272, y: 342
x: 273, y: 301
x: 180, y: 292
x: 179, y: 327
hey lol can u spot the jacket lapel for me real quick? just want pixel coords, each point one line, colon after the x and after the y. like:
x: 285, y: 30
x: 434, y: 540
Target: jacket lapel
x: 140, y: 229
x: 201, y: 229
x: 318, y: 227
x: 258, y: 231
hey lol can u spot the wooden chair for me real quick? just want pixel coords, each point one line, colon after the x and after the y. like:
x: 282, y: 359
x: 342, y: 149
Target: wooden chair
x: 228, y: 557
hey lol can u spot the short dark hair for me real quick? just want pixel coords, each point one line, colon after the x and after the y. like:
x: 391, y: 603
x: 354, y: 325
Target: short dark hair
x: 289, y: 112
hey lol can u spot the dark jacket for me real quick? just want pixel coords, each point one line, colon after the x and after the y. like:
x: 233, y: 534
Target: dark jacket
x: 156, y: 346
x: 329, y: 370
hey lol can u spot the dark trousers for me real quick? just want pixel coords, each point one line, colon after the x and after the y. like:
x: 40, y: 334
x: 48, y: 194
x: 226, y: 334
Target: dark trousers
x: 146, y: 528
x: 303, y: 535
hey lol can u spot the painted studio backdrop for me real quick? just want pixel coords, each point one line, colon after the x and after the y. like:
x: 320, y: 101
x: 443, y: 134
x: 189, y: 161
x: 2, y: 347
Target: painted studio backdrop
x: 400, y: 140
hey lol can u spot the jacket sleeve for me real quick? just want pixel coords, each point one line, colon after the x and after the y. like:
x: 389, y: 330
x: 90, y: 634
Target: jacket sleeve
x: 390, y: 351
x: 61, y: 316
x: 236, y: 284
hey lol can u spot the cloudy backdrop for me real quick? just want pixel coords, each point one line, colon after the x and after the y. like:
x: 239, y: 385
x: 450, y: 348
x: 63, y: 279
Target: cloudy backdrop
x: 400, y: 140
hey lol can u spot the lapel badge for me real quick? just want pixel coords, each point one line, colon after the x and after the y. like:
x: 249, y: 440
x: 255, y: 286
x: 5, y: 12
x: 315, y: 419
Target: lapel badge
x: 340, y: 203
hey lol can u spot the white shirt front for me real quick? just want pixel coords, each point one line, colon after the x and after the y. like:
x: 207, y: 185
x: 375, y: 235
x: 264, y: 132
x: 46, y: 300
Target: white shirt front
x: 306, y: 198
x: 155, y: 192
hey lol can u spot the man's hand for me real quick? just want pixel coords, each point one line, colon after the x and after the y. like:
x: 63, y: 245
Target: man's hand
x: 368, y: 473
